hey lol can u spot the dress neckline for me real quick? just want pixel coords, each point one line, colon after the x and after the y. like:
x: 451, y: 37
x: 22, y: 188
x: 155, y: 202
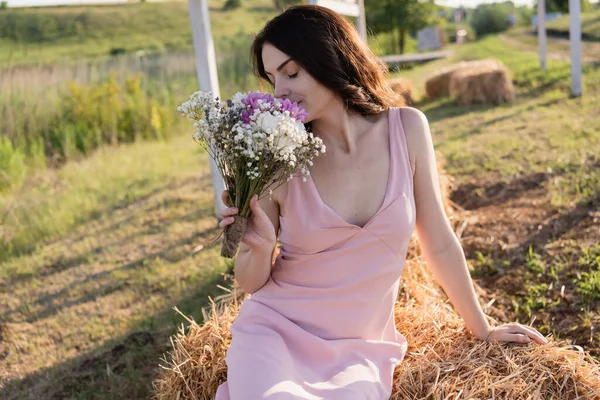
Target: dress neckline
x: 387, y: 188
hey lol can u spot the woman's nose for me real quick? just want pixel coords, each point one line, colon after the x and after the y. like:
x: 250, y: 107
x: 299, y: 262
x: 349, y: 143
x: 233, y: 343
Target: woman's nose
x: 281, y: 92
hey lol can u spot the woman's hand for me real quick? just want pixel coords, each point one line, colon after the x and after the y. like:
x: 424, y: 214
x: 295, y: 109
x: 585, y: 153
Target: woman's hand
x: 260, y: 233
x: 515, y: 332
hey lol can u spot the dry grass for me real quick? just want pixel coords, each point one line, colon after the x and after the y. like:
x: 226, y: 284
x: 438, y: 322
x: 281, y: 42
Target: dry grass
x: 438, y: 83
x: 483, y: 84
x: 404, y: 88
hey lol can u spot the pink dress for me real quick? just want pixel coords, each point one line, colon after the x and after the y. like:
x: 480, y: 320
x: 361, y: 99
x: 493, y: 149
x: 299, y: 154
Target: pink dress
x: 322, y: 327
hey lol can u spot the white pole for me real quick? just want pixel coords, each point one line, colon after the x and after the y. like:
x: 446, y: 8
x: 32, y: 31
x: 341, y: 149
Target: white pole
x: 355, y: 8
x: 575, y: 37
x: 541, y: 27
x: 361, y: 22
x: 206, y: 70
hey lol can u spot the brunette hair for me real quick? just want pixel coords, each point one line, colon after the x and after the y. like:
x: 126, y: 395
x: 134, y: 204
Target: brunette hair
x: 330, y: 49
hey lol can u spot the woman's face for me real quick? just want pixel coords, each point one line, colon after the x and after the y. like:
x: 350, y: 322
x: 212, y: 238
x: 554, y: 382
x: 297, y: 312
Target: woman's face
x: 293, y: 82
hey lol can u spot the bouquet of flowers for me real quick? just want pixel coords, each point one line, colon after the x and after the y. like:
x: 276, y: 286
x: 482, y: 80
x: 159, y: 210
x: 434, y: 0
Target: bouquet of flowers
x: 258, y: 142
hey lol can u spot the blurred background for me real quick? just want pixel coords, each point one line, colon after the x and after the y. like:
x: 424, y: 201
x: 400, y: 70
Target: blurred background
x: 106, y: 203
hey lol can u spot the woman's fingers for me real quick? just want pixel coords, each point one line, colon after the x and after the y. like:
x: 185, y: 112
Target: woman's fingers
x: 255, y: 207
x: 226, y: 221
x: 521, y: 333
x: 518, y: 337
x: 528, y: 332
x: 535, y: 335
x: 225, y: 197
x: 227, y: 212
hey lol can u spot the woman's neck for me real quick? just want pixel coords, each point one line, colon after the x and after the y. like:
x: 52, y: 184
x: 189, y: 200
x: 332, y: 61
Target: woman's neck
x: 340, y: 129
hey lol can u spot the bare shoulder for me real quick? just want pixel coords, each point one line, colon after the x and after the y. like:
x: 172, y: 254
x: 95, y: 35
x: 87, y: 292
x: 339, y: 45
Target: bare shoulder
x: 271, y: 204
x: 279, y: 194
x: 416, y: 131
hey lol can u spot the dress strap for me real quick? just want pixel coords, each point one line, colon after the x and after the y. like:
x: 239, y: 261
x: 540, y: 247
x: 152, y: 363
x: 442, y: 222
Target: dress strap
x: 404, y: 176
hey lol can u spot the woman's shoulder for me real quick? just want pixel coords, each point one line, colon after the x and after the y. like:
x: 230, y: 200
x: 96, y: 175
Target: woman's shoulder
x: 416, y: 131
x: 278, y: 194
x: 410, y: 114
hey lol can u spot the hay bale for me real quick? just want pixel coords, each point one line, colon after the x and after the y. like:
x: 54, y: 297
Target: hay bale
x: 438, y: 84
x: 482, y: 84
x: 404, y: 88
x: 444, y: 360
x: 196, y: 364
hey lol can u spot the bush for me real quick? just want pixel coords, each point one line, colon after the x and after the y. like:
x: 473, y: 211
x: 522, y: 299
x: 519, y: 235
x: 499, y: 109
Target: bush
x: 490, y: 18
x: 104, y: 113
x: 84, y: 117
x: 41, y: 27
x: 115, y: 51
x: 232, y: 4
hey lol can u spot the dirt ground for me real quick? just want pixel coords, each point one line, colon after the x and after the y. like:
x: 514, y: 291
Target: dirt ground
x: 503, y: 221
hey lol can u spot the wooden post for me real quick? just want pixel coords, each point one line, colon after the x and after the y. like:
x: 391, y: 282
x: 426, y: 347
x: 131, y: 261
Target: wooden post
x: 575, y: 37
x: 206, y: 71
x: 541, y: 28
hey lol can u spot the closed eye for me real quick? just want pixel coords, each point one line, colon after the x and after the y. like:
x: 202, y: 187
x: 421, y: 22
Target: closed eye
x: 293, y: 75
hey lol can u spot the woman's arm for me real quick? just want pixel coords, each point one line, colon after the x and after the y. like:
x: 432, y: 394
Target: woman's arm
x: 440, y: 246
x: 254, y: 261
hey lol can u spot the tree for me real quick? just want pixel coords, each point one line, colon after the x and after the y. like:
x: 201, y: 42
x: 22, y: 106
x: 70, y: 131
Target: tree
x: 563, y: 6
x: 399, y: 16
x: 490, y: 18
x: 524, y: 14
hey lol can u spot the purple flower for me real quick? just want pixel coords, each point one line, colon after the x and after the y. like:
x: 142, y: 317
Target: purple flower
x: 251, y: 102
x: 245, y: 117
x: 252, y: 99
x: 295, y: 110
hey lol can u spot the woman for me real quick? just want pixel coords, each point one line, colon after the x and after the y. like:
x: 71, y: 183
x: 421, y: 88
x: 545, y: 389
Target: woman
x: 319, y: 323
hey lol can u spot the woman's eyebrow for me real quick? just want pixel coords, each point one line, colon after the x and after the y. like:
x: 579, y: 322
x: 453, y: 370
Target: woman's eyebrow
x: 283, y: 64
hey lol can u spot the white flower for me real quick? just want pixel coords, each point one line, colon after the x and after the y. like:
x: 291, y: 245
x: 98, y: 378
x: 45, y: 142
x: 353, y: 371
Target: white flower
x: 237, y: 99
x: 268, y: 122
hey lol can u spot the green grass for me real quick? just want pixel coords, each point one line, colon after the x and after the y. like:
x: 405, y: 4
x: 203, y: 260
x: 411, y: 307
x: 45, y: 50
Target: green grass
x: 49, y: 34
x: 543, y: 130
x: 590, y: 25
x: 108, y: 248
x: 100, y: 250
x: 51, y: 202
x: 51, y: 115
x: 588, y: 282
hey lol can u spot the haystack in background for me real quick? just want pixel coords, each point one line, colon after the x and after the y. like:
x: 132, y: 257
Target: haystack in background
x: 443, y: 361
x: 485, y: 84
x: 404, y: 88
x: 438, y: 84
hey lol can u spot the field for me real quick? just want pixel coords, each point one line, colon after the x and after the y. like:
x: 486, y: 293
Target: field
x: 528, y: 176
x: 42, y: 35
x: 97, y: 251
x: 590, y: 25
x: 58, y: 34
